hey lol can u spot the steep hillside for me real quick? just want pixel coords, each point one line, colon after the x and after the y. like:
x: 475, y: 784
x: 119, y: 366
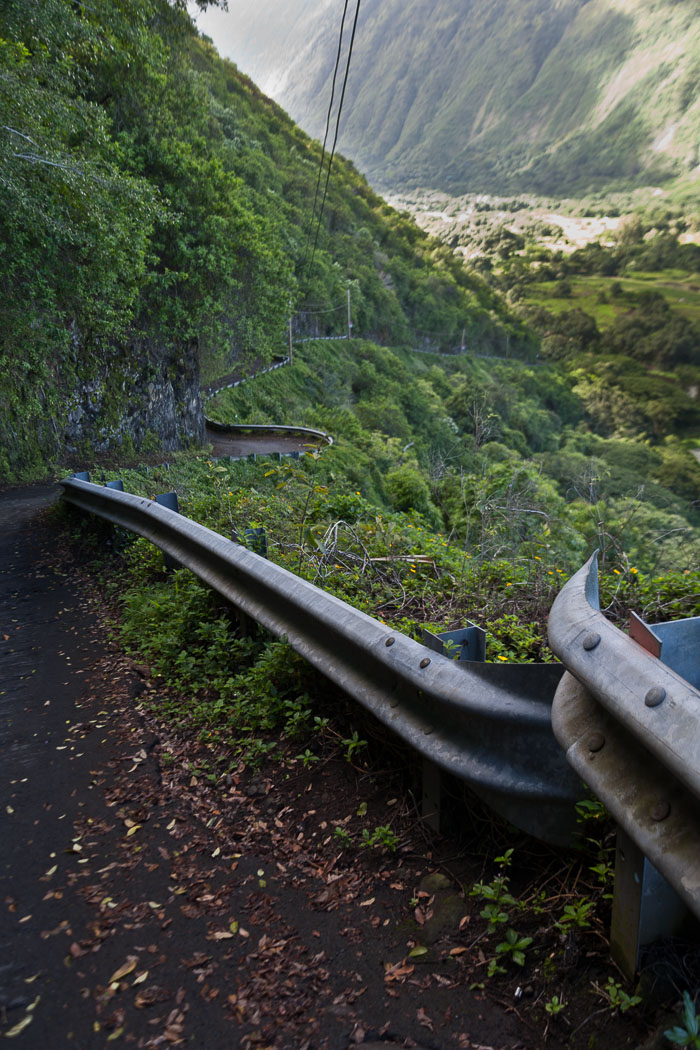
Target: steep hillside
x: 159, y: 221
x: 551, y: 96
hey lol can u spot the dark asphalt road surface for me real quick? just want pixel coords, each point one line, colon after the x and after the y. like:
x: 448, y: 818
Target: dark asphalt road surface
x: 45, y: 647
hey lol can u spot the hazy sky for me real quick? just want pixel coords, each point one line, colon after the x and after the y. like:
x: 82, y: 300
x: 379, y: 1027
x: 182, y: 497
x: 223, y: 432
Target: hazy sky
x: 221, y: 26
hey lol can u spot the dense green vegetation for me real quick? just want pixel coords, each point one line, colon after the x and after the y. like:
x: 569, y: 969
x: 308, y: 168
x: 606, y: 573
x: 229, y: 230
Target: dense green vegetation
x: 455, y: 490
x: 501, y: 453
x: 161, y: 212
x: 633, y: 352
x: 157, y: 219
x: 525, y: 95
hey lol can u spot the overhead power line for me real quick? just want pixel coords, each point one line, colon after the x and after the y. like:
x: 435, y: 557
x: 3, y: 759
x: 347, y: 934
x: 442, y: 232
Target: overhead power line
x: 338, y: 116
x: 325, y: 137
x: 308, y: 310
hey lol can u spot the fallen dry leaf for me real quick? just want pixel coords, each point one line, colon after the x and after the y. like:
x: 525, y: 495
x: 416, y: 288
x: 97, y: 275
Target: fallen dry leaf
x: 424, y: 1020
x: 19, y: 1027
x: 398, y: 970
x: 124, y: 970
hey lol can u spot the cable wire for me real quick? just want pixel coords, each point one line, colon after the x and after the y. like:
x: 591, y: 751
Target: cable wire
x: 307, y: 311
x: 325, y: 137
x: 337, y: 128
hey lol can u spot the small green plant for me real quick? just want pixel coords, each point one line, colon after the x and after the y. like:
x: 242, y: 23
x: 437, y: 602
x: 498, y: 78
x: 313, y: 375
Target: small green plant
x: 496, y: 894
x: 289, y: 474
x: 451, y: 649
x: 382, y: 837
x: 590, y: 810
x: 343, y: 837
x: 538, y: 903
x: 307, y: 759
x: 495, y: 916
x: 575, y: 914
x: 689, y: 1033
x: 603, y: 871
x: 555, y: 1005
x: 617, y: 997
x: 514, y: 947
x: 352, y: 745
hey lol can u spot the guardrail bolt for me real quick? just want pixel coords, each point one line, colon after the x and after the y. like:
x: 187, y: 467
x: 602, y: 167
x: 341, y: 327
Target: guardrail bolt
x: 425, y: 661
x: 389, y: 642
x: 660, y: 810
x: 655, y: 696
x: 591, y: 641
x: 596, y: 742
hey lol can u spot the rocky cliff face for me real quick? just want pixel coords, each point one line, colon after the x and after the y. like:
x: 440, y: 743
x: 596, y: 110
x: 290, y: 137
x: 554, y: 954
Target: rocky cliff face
x: 142, y: 396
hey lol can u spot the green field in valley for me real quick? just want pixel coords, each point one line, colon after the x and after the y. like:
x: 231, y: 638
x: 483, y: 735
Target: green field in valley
x: 606, y: 298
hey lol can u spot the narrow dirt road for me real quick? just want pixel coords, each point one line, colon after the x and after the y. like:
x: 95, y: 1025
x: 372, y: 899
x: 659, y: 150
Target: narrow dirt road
x: 145, y: 906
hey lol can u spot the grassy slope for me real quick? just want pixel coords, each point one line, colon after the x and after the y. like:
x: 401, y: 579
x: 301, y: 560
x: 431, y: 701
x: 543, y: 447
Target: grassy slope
x: 680, y: 289
x: 476, y: 446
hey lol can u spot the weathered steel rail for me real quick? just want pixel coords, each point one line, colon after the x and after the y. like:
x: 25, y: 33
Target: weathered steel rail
x: 487, y: 724
x: 630, y: 727
x: 316, y: 437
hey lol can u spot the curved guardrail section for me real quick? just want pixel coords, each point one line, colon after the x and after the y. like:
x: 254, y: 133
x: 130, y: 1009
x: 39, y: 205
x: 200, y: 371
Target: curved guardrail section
x: 630, y: 727
x: 655, y: 704
x: 232, y: 429
x: 489, y: 725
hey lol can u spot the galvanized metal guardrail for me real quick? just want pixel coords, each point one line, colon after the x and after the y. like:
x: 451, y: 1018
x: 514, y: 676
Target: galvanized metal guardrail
x: 214, y: 389
x: 315, y: 436
x: 487, y: 724
x: 630, y: 727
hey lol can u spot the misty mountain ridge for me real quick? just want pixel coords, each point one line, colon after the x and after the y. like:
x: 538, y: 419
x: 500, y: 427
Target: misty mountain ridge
x: 543, y: 96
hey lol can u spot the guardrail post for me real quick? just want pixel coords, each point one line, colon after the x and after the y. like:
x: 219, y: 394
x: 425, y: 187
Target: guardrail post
x: 118, y: 485
x: 169, y: 500
x: 256, y: 541
x: 645, y: 906
x: 467, y: 643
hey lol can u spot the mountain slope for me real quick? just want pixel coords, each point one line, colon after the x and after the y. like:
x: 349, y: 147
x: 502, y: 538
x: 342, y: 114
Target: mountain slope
x: 160, y: 221
x: 552, y: 96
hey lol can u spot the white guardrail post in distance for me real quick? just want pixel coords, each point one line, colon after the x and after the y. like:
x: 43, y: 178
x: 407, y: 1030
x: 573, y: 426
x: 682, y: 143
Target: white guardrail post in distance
x: 630, y: 727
